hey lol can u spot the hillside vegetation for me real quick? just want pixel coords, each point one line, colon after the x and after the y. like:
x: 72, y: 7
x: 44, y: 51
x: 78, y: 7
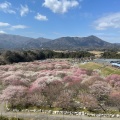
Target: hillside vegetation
x: 58, y: 84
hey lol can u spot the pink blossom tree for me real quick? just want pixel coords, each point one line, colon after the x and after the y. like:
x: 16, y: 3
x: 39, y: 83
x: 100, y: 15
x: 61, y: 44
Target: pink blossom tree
x: 14, y: 95
x: 64, y: 100
x: 114, y: 81
x: 36, y: 99
x: 100, y: 90
x: 114, y: 98
x: 88, y: 101
x: 51, y: 91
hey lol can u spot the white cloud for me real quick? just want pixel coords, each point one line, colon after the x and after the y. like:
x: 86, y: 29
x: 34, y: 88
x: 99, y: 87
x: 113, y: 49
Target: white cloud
x: 7, y: 7
x: 41, y: 17
x: 2, y: 24
x: 8, y: 26
x: 24, y: 10
x: 18, y: 27
x: 109, y: 21
x: 60, y: 6
x: 2, y: 32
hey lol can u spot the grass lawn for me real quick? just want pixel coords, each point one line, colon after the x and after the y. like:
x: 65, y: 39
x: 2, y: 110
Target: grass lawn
x: 105, y: 70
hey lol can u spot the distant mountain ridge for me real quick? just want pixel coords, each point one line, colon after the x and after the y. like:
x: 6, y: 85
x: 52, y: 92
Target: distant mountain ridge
x: 77, y: 42
x: 13, y: 42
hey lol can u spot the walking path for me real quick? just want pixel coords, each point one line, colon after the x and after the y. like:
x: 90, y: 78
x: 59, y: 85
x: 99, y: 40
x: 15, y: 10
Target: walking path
x: 44, y: 116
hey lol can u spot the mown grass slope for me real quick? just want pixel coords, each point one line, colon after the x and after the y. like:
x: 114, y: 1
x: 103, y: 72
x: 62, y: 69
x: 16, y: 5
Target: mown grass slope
x: 103, y: 69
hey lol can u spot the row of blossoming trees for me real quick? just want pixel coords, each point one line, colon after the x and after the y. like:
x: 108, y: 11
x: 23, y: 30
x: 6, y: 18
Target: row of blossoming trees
x: 59, y: 84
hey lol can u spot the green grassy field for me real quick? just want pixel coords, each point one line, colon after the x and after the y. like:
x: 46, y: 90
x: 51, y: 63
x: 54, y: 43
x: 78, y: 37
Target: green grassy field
x: 104, y: 70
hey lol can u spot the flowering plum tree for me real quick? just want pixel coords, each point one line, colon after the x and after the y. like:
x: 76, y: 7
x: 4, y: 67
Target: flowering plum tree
x: 14, y: 95
x: 100, y: 90
x: 88, y: 101
x: 115, y: 99
x: 114, y: 81
x: 36, y: 99
x: 64, y: 100
x: 51, y: 91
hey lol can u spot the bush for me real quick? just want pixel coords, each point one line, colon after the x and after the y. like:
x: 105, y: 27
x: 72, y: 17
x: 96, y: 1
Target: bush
x: 3, y: 118
x: 13, y: 118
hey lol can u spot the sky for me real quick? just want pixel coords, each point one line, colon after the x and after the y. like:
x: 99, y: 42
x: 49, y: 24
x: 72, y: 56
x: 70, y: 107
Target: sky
x: 57, y: 18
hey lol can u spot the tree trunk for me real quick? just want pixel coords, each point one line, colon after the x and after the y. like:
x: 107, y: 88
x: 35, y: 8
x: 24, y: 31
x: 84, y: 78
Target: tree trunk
x: 102, y: 107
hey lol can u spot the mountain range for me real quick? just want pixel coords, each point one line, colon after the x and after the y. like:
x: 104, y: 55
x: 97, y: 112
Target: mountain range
x: 15, y: 42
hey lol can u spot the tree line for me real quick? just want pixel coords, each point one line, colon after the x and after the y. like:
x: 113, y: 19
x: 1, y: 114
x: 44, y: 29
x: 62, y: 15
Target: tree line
x: 111, y: 54
x: 9, y: 57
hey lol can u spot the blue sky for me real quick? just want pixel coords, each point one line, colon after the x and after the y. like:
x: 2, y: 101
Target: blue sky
x: 57, y: 18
